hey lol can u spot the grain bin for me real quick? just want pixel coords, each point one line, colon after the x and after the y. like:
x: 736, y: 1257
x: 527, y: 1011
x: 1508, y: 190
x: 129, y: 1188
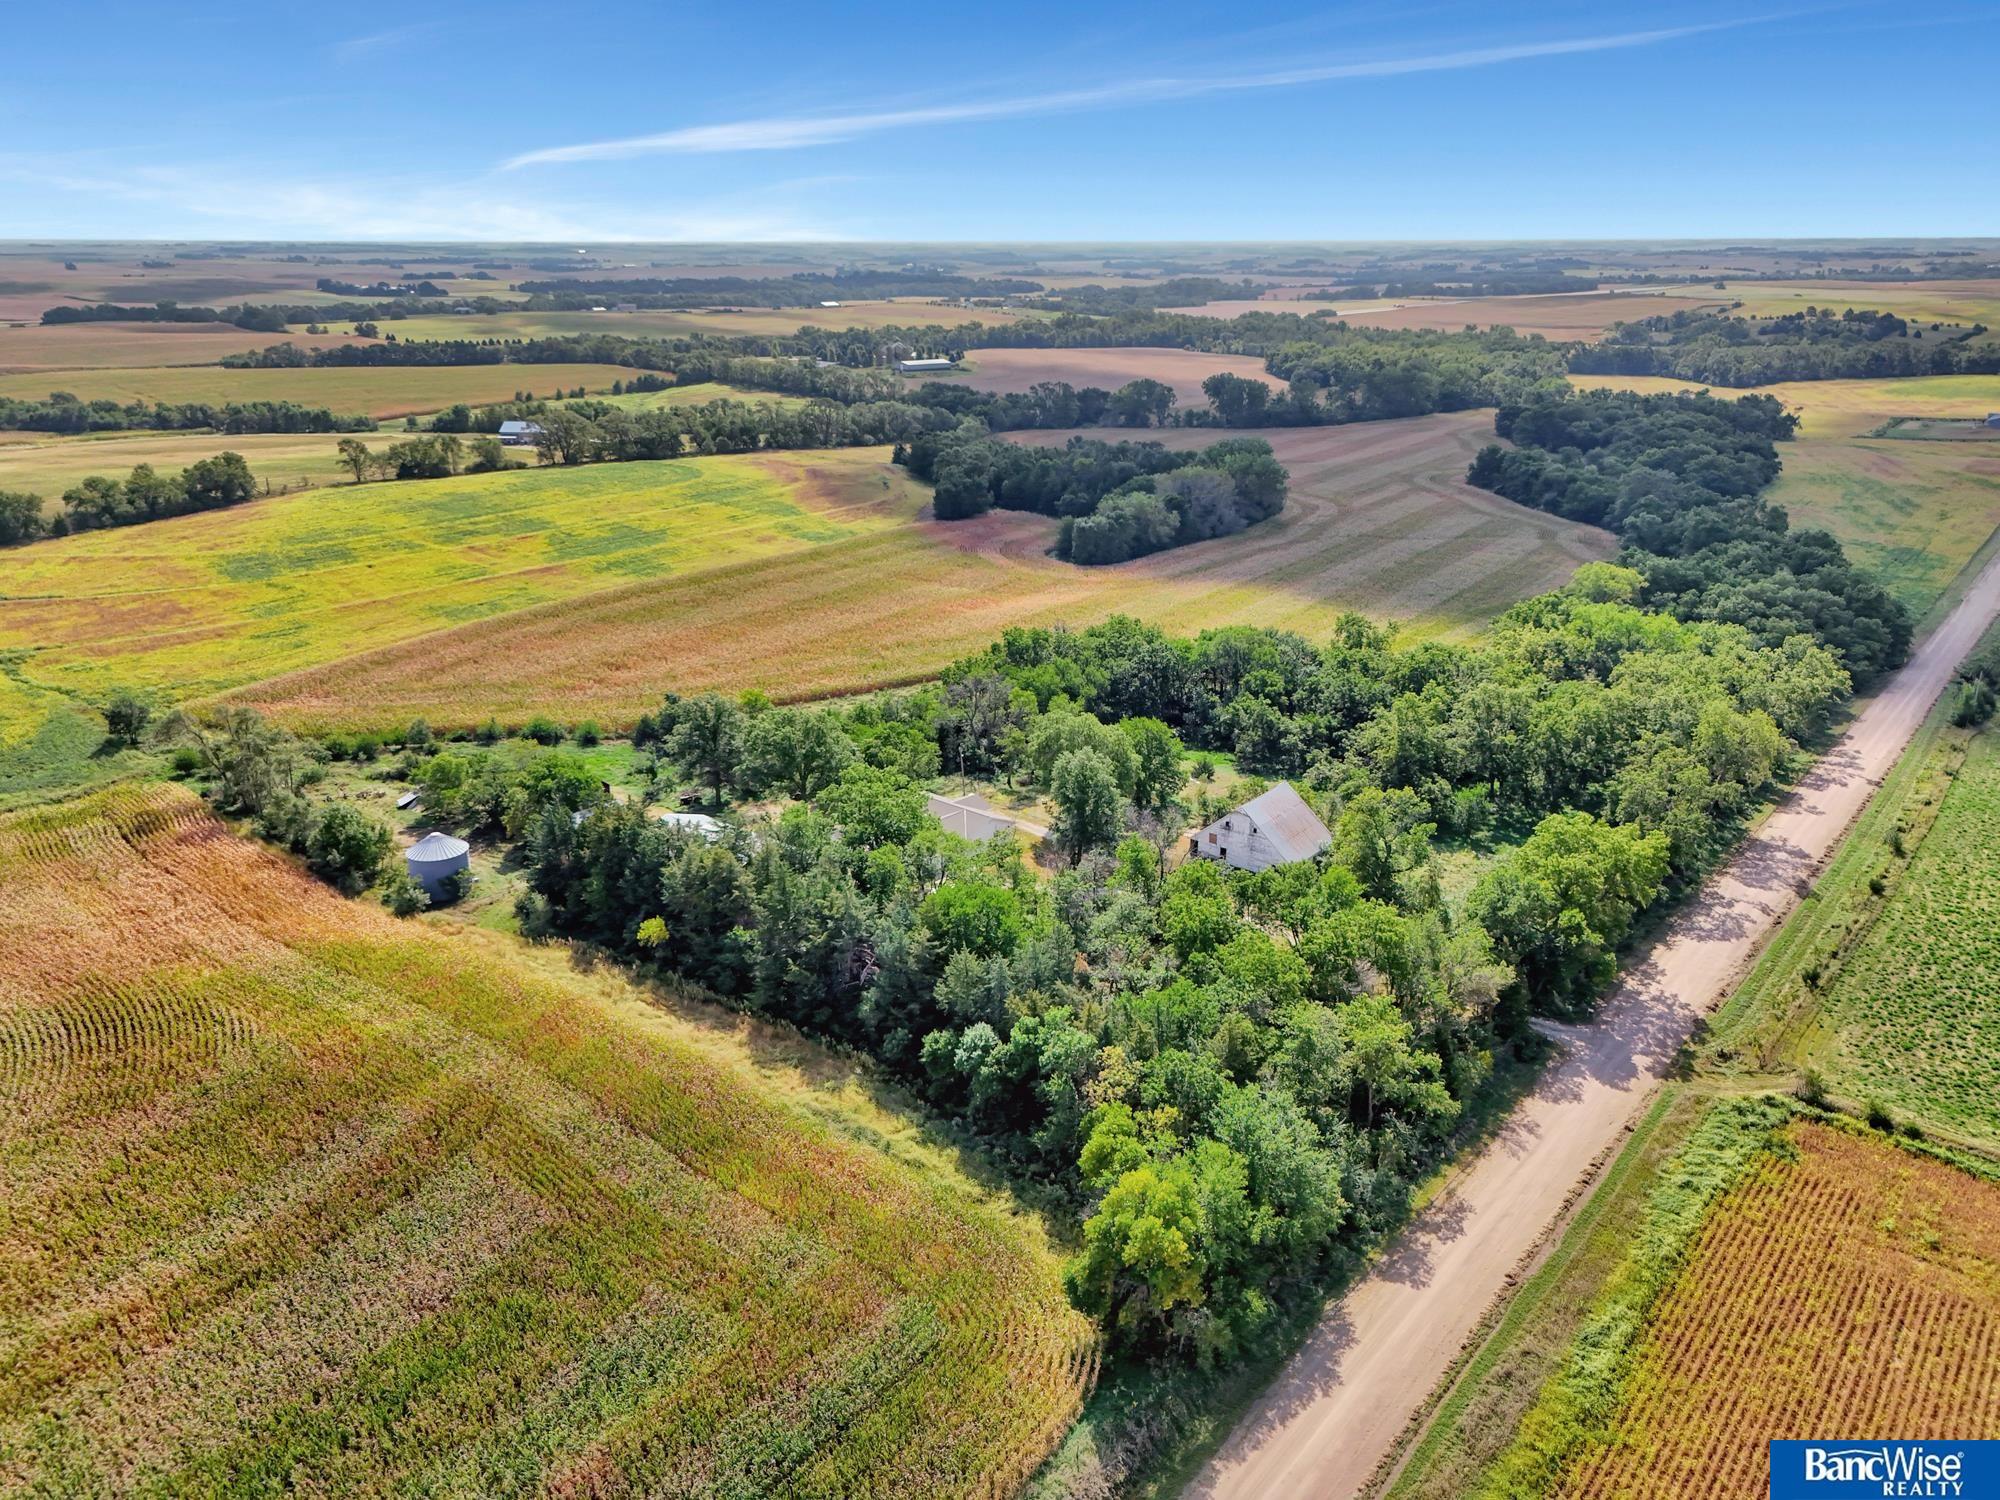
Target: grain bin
x: 434, y: 859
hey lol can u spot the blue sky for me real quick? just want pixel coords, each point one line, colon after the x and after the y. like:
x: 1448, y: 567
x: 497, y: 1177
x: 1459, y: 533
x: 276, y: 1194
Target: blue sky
x: 936, y: 121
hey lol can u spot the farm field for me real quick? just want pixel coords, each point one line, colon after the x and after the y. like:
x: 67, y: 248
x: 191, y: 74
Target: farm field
x: 1184, y: 369
x: 1913, y: 512
x: 200, y: 603
x: 300, y: 1197
x: 1570, y: 316
x: 696, y: 395
x: 1842, y: 1243
x: 98, y: 346
x: 379, y: 391
x: 1379, y: 520
x: 1969, y: 301
x: 1912, y: 1019
x: 664, y: 322
x: 46, y: 465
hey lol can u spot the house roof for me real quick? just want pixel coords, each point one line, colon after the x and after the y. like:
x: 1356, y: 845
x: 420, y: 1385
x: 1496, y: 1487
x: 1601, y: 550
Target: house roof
x: 1282, y: 816
x: 693, y: 822
x: 435, y: 846
x: 510, y: 427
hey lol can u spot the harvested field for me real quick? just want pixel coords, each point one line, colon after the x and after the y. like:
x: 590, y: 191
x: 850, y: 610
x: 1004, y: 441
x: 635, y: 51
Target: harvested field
x: 1379, y: 520
x: 1850, y: 1288
x: 1571, y: 315
x: 102, y: 346
x: 301, y: 1198
x: 381, y: 391
x: 1183, y: 369
x: 1965, y: 301
x: 1913, y: 512
x: 201, y: 603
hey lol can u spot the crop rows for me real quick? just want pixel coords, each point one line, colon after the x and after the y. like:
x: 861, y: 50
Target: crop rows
x: 1916, y: 1009
x: 292, y: 1195
x: 1848, y: 1290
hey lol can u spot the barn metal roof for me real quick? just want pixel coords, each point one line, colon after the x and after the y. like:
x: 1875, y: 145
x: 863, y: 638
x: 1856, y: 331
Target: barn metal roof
x: 435, y: 846
x: 1293, y: 828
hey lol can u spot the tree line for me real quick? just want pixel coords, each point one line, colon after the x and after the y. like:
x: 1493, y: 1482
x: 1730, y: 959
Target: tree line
x: 145, y: 495
x: 63, y: 412
x: 1678, y: 478
x: 1816, y: 344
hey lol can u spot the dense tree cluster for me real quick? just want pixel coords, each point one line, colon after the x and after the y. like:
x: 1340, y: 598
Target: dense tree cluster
x: 63, y: 412
x: 145, y: 495
x: 1230, y: 1075
x: 272, y: 317
x: 1116, y: 500
x: 1148, y: 296
x: 1678, y: 478
x: 1816, y: 344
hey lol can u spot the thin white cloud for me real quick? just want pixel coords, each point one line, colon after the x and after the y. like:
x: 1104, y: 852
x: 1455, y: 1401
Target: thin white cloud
x: 376, y: 41
x: 184, y: 202
x: 780, y: 133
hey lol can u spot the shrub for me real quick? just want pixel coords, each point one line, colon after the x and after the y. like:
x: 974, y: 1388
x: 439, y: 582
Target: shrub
x: 403, y: 894
x: 543, y: 730
x: 587, y: 733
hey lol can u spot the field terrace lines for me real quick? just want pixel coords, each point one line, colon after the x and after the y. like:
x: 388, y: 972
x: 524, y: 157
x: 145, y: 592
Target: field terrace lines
x: 1338, y: 1408
x: 369, y: 390
x: 438, y: 1181
x: 1380, y: 521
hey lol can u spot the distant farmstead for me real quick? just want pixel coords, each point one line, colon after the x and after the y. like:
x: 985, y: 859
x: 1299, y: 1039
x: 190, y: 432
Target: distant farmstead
x: 1274, y: 829
x: 925, y: 366
x: 520, y: 434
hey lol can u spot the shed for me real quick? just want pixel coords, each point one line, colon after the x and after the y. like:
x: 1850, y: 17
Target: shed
x: 970, y: 817
x: 700, y: 823
x: 407, y: 801
x: 1274, y: 829
x: 925, y: 366
x: 434, y: 859
x: 515, y: 433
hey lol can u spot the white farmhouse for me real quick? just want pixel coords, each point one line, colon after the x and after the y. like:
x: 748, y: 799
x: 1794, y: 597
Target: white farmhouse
x: 1274, y: 829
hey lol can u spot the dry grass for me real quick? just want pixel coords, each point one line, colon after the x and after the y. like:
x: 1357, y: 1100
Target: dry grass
x: 382, y: 391
x: 1380, y: 520
x: 1183, y: 369
x: 1852, y: 1291
x: 299, y: 1198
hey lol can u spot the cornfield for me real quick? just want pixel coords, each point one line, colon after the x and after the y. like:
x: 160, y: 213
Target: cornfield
x: 1848, y: 1291
x: 296, y: 1197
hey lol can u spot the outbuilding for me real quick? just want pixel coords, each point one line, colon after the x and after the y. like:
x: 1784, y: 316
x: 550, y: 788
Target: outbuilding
x: 1993, y: 419
x: 433, y: 859
x: 1274, y: 829
x: 519, y: 434
x: 925, y: 366
x: 970, y: 816
x: 692, y: 822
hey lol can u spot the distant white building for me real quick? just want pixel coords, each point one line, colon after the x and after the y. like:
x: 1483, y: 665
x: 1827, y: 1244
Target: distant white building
x: 1993, y: 419
x: 925, y: 366
x: 829, y: 304
x: 970, y: 816
x: 1274, y: 829
x: 519, y: 434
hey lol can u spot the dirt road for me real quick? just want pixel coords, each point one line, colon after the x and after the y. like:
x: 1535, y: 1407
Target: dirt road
x: 1330, y: 1418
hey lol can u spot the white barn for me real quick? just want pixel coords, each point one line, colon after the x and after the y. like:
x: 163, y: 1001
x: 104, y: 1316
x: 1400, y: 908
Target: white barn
x: 517, y: 434
x: 925, y: 366
x: 1274, y: 829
